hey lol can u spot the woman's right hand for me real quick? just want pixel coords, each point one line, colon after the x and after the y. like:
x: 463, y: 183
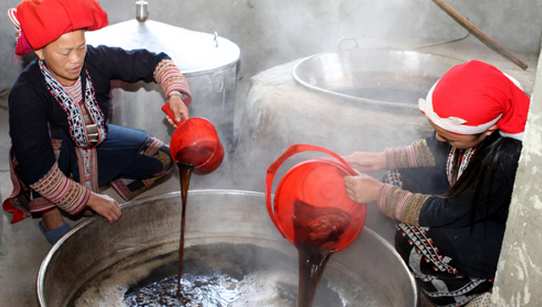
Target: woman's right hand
x: 367, y: 161
x: 362, y: 188
x: 105, y: 206
x: 179, y: 110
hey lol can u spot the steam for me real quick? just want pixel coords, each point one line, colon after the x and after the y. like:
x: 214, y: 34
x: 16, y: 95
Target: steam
x: 272, y: 111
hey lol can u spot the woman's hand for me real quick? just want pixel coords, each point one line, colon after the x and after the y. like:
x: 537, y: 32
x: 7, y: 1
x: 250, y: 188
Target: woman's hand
x: 362, y: 188
x: 104, y: 206
x: 180, y: 110
x: 367, y: 161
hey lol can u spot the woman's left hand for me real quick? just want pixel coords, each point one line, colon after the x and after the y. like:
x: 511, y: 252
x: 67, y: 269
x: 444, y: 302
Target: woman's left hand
x: 180, y: 110
x: 362, y: 188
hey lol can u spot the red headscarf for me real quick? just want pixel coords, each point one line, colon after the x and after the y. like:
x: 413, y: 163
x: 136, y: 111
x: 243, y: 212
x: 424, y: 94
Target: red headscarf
x: 41, y: 22
x: 473, y: 96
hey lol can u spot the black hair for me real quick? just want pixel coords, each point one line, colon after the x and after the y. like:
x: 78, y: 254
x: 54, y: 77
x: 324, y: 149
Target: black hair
x: 490, y: 156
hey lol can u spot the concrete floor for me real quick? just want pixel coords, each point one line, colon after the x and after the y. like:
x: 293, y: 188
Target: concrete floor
x: 22, y: 246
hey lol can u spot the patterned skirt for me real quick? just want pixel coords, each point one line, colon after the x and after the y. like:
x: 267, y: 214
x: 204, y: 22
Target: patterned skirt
x: 433, y: 269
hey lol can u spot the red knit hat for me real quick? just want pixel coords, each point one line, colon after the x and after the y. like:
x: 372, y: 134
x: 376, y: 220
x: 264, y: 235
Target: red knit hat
x: 42, y: 22
x: 473, y: 96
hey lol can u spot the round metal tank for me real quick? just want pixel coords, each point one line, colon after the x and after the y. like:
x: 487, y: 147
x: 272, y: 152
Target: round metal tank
x: 368, y: 272
x: 208, y: 61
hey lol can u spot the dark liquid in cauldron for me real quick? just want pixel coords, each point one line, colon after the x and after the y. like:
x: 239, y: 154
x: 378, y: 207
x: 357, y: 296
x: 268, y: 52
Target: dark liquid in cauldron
x: 212, y: 289
x: 317, y: 234
x: 239, y: 275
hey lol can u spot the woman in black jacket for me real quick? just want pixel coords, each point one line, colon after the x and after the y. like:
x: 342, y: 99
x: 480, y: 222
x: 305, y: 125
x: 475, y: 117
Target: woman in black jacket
x: 451, y: 192
x: 63, y: 148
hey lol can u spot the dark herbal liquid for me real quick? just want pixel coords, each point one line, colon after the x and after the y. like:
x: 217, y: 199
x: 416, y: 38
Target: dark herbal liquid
x: 185, y: 174
x: 317, y: 235
x: 195, y: 155
x: 231, y: 275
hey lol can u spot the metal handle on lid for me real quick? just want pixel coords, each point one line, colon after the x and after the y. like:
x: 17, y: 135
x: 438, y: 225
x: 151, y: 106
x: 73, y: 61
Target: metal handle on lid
x: 142, y: 13
x: 215, y: 39
x: 344, y: 41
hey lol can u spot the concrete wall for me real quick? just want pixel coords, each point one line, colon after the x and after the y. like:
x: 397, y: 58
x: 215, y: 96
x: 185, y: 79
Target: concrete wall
x: 519, y: 276
x: 272, y: 32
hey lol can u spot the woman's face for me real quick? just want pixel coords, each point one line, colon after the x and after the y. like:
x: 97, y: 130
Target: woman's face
x: 65, y: 56
x: 461, y: 141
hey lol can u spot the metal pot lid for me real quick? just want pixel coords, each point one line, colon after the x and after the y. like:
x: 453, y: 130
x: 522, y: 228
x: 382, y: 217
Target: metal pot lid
x: 193, y: 52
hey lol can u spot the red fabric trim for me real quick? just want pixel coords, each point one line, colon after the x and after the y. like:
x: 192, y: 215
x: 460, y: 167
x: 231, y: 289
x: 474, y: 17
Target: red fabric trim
x: 18, y: 214
x: 122, y: 189
x: 11, y: 204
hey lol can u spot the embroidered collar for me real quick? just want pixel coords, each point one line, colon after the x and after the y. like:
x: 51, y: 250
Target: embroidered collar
x: 458, y: 160
x: 75, y: 110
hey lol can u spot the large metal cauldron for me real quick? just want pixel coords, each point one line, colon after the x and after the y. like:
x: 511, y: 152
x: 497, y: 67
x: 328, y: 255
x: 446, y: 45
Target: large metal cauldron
x: 208, y: 61
x: 369, y: 271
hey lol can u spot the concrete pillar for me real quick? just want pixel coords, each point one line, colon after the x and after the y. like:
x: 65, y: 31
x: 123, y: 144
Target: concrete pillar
x: 519, y: 275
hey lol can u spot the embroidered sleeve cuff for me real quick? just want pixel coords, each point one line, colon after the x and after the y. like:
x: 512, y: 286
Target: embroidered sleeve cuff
x: 417, y: 154
x: 400, y: 204
x: 170, y: 79
x: 67, y: 194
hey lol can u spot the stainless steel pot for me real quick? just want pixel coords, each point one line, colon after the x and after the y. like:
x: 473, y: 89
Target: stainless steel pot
x: 149, y: 229
x: 208, y: 61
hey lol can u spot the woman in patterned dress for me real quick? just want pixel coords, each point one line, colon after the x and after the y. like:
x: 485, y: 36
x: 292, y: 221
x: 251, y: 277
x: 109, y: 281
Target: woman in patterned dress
x: 63, y: 148
x: 451, y: 192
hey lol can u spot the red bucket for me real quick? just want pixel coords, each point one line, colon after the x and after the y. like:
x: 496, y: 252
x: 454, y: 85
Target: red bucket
x: 313, y: 193
x: 195, y: 143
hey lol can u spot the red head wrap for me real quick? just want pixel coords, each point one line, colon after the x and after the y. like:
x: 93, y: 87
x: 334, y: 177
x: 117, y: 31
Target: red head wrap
x: 44, y: 21
x: 473, y: 96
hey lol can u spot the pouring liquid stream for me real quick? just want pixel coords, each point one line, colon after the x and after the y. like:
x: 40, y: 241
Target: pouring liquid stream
x: 185, y: 175
x: 318, y: 231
